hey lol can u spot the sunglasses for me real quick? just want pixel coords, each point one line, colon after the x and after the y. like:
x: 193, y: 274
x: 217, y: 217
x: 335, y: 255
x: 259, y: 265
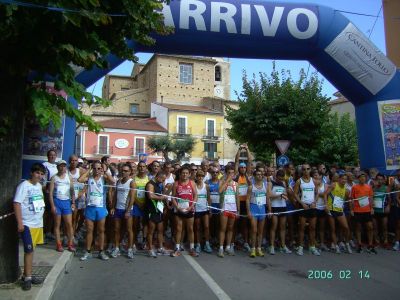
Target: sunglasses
x: 194, y: 169
x: 125, y: 170
x: 306, y: 169
x: 98, y: 168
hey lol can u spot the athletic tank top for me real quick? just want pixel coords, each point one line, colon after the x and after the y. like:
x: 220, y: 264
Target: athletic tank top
x: 259, y: 195
x: 154, y: 206
x: 170, y: 179
x: 336, y: 198
x: 278, y: 189
x: 307, y: 191
x: 202, y: 203
x: 62, y: 187
x: 96, y: 192
x: 51, y: 170
x: 78, y: 187
x: 229, y: 197
x: 184, y: 193
x: 123, y: 190
x: 320, y: 200
x: 243, y: 187
x: 380, y: 199
x: 140, y: 193
x: 214, y: 191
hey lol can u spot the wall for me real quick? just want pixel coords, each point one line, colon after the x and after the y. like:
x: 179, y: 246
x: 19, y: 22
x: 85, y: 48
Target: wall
x: 161, y: 113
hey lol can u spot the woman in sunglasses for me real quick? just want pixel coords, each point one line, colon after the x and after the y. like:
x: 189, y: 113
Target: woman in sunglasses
x: 96, y: 210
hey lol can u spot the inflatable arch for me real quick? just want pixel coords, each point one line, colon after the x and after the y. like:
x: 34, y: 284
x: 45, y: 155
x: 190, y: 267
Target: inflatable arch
x: 272, y: 30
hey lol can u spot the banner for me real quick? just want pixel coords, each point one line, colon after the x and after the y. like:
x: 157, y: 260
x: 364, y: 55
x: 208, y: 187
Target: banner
x: 389, y: 115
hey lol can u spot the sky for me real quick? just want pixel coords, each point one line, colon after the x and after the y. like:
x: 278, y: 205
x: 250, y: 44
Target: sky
x: 371, y: 26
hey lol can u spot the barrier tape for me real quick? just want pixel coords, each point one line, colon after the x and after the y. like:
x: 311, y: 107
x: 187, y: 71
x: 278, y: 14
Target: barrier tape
x: 6, y: 216
x: 234, y: 213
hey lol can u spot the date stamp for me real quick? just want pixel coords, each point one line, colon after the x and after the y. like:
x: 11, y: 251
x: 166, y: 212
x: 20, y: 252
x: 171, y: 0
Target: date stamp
x: 340, y: 274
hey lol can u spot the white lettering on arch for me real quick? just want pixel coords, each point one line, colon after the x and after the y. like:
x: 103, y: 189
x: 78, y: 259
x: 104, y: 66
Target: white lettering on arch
x: 246, y: 19
x: 197, y: 14
x: 269, y: 28
x: 292, y: 23
x: 217, y: 16
x: 168, y: 19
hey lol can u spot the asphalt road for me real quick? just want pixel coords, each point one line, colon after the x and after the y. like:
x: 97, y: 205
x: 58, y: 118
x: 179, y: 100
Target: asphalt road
x: 239, y: 277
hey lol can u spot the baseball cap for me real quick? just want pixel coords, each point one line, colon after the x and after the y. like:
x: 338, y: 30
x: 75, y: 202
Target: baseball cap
x: 60, y: 162
x: 242, y: 164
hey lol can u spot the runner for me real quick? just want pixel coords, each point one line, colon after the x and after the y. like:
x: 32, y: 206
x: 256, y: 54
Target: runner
x: 362, y: 210
x: 323, y: 173
x: 29, y: 208
x: 138, y: 207
x: 322, y: 216
x: 396, y: 187
x: 121, y: 209
x: 228, y: 189
x: 205, y: 166
x: 346, y: 208
x: 334, y: 198
x: 50, y: 170
x: 382, y: 205
x: 202, y: 213
x: 62, y: 202
x: 155, y: 201
x: 256, y: 203
x: 79, y: 189
x: 95, y: 211
x: 305, y: 194
x: 213, y: 184
x: 154, y: 169
x: 184, y: 189
x: 193, y: 172
x: 277, y: 194
x: 168, y: 215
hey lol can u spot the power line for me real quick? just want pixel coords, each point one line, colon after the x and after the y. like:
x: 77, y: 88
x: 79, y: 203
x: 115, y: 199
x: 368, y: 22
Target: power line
x: 373, y: 26
x: 358, y: 14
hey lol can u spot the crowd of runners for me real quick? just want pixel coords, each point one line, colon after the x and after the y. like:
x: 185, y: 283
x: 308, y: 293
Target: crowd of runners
x: 160, y: 207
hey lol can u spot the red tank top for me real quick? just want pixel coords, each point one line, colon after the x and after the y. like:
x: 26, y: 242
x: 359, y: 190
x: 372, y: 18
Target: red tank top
x: 185, y: 191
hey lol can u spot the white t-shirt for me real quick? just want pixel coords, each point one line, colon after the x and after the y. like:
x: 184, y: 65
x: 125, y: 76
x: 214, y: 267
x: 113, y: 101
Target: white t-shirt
x: 51, y: 170
x: 30, y: 197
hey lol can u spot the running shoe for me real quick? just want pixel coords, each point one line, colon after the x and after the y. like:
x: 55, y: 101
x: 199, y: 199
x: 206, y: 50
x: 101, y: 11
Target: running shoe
x: 260, y: 253
x: 324, y: 247
x: 246, y: 247
x: 181, y: 248
x: 314, y: 251
x: 59, y: 248
x: 130, y: 253
x: 152, y: 253
x: 176, y: 253
x: 207, y: 248
x: 342, y: 246
x: 272, y: 250
x: 285, y: 250
x: 198, y: 248
x: 299, y: 251
x: 348, y: 248
x: 371, y: 250
x: 134, y: 249
x: 86, y: 256
x: 71, y: 248
x: 359, y: 249
x: 103, y: 256
x: 220, y: 253
x: 193, y: 253
x: 161, y: 251
x: 230, y: 251
x: 337, y: 250
x: 396, y: 246
x: 352, y: 244
x: 115, y: 253
x: 253, y: 253
x: 26, y: 285
x: 37, y: 280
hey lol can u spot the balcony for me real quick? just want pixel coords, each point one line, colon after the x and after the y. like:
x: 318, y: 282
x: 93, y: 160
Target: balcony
x: 211, y: 135
x: 97, y: 150
x: 182, y: 131
x: 212, y: 155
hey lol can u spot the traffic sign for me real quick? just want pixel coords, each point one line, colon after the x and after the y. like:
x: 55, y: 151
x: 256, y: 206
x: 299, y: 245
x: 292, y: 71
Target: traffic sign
x: 282, y: 160
x: 282, y: 145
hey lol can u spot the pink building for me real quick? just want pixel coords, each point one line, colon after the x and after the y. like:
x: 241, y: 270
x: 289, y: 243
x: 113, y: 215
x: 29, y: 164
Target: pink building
x: 122, y: 139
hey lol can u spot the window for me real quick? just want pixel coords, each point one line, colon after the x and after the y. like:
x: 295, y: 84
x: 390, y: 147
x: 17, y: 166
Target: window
x: 218, y: 73
x: 210, y: 127
x: 103, y: 144
x: 181, y: 125
x: 133, y: 108
x: 211, y: 150
x: 186, y: 73
x: 139, y: 146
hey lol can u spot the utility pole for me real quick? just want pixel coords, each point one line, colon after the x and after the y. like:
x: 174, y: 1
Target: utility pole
x: 391, y: 13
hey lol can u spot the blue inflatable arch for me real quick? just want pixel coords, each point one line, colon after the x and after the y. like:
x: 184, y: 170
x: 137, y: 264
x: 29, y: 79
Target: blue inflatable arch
x: 272, y: 30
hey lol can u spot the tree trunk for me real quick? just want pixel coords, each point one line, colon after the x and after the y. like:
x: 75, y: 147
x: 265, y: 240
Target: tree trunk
x: 12, y: 121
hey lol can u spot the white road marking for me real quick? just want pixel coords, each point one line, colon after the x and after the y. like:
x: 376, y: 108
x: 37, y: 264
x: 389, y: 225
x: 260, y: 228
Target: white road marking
x: 217, y: 290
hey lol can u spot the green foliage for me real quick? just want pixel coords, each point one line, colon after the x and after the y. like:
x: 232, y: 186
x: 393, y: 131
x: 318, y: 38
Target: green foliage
x: 279, y: 108
x: 54, y: 43
x: 166, y: 144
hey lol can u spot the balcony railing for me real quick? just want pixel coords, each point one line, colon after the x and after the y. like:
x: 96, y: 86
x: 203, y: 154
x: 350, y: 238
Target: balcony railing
x: 182, y: 131
x: 211, y: 134
x: 212, y: 155
x: 98, y: 150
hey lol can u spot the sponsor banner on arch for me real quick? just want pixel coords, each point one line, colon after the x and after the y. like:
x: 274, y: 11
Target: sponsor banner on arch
x: 389, y: 114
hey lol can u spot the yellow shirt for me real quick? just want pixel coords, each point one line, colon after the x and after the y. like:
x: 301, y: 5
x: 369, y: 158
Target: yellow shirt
x: 336, y: 198
x: 140, y: 193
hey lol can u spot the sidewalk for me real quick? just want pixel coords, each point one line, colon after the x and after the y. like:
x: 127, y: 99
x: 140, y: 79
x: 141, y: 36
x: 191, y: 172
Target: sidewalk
x: 47, y: 263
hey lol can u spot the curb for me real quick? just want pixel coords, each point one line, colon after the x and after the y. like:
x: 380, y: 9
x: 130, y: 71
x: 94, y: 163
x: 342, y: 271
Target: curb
x: 56, y: 274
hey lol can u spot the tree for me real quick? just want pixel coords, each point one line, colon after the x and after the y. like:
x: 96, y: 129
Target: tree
x: 166, y: 144
x: 280, y: 108
x: 339, y: 142
x: 39, y: 42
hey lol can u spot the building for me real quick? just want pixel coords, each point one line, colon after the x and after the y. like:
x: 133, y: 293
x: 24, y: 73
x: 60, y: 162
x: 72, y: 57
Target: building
x: 123, y: 138
x: 342, y: 106
x: 186, y: 95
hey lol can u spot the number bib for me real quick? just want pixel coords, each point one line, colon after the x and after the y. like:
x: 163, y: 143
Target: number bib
x: 183, y: 204
x: 160, y: 206
x: 261, y: 199
x: 37, y: 203
x: 243, y: 189
x: 363, y: 202
x: 308, y: 195
x: 378, y: 202
x: 77, y: 190
x: 95, y: 199
x: 201, y: 204
x: 63, y: 190
x: 337, y: 203
x: 141, y: 193
x: 214, y: 198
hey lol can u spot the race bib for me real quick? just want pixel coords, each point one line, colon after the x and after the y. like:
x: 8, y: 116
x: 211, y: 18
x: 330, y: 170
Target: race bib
x: 160, y: 206
x: 201, y: 202
x: 230, y: 198
x: 63, y: 189
x: 141, y: 193
x: 308, y: 195
x: 183, y: 204
x: 378, y: 202
x: 95, y: 199
x: 338, y: 203
x: 214, y: 198
x: 243, y: 189
x: 279, y: 191
x: 363, y: 202
x: 37, y: 203
x: 261, y: 199
x: 77, y: 190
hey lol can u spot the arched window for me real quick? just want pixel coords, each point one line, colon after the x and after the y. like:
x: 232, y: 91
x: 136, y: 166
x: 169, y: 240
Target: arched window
x: 218, y: 73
